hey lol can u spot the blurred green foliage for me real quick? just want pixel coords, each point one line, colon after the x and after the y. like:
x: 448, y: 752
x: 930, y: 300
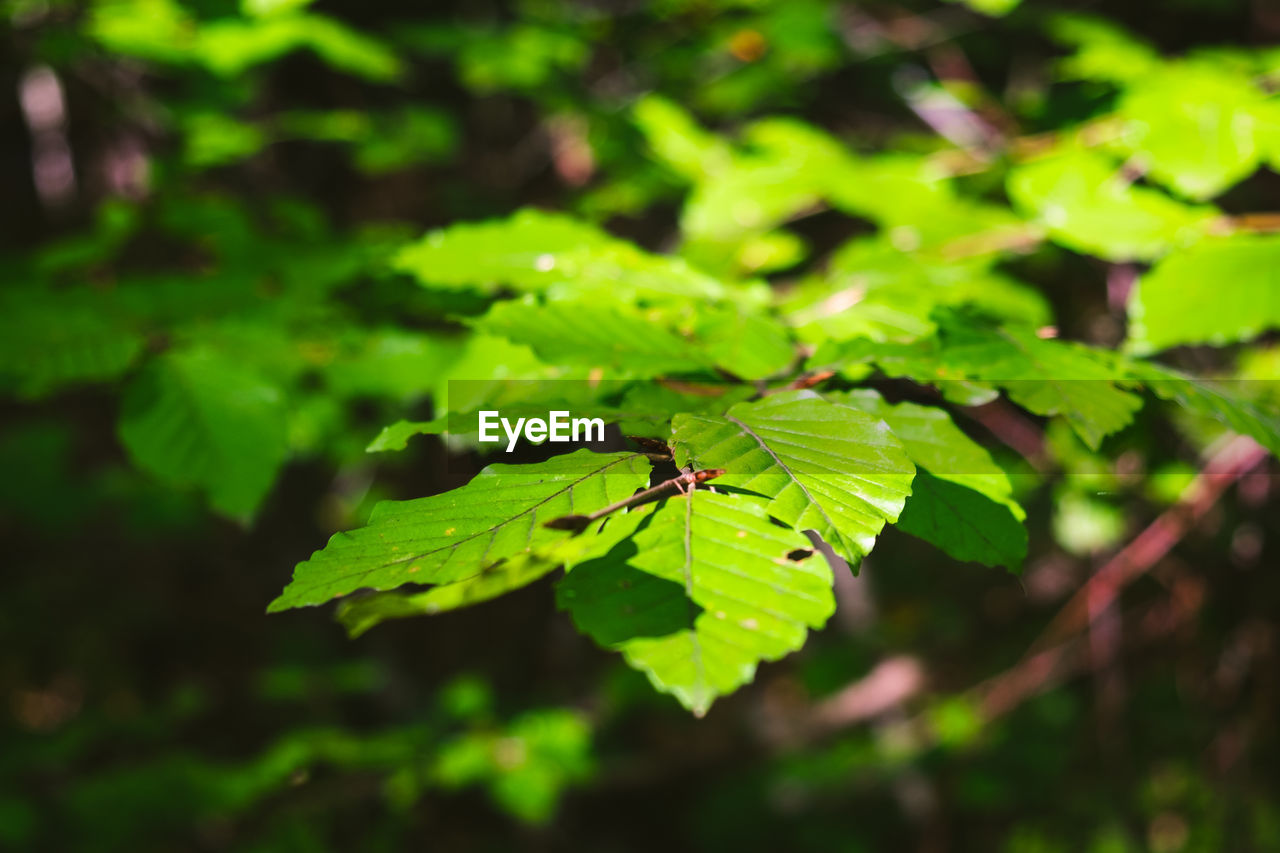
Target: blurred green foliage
x: 992, y: 231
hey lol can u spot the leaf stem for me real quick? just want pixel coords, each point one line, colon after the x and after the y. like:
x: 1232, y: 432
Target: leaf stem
x: 683, y: 483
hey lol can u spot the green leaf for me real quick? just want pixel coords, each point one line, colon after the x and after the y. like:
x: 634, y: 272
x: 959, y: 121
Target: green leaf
x: 457, y: 535
x: 824, y: 467
x: 1046, y: 376
x: 961, y: 500
x: 48, y: 341
x: 920, y: 361
x: 525, y: 765
x: 781, y: 177
x: 747, y: 344
x: 537, y: 251
x: 266, y: 8
x: 1268, y: 132
x: 648, y: 407
x: 525, y: 57
x: 407, y: 137
x: 992, y: 8
x: 705, y: 589
x: 677, y: 139
x: 963, y: 523
x: 1221, y: 290
x: 913, y: 201
x: 200, y: 418
x: 1088, y: 205
x: 1103, y: 50
x: 876, y: 291
x: 213, y: 139
x: 158, y: 30
x: 1194, y: 125
x: 163, y: 31
x: 391, y: 363
x: 770, y: 251
x: 595, y: 334
x: 359, y: 614
x: 485, y: 367
x: 934, y: 442
x: 521, y: 251
x: 1235, y: 404
x: 1085, y: 525
x: 396, y: 436
x: 229, y: 47
x: 887, y: 273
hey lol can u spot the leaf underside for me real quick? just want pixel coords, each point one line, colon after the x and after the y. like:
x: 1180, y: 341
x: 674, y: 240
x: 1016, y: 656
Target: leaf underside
x: 700, y: 593
x: 964, y: 524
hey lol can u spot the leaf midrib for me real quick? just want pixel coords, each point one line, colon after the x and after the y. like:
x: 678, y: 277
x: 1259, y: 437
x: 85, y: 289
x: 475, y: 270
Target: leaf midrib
x: 791, y: 474
x: 408, y: 558
x: 699, y: 666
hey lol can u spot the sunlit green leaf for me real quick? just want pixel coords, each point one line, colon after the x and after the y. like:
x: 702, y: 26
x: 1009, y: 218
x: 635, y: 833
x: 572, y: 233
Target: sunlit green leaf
x: 1218, y: 291
x: 1088, y: 204
x: 876, y: 291
x: 746, y: 344
x: 933, y: 441
x: 229, y: 46
x: 456, y: 535
x: 1103, y: 50
x: 678, y: 140
x: 824, y: 467
x: 961, y: 500
x: 1194, y: 126
x: 536, y: 251
x: 1046, y: 376
x: 595, y: 334
x: 396, y: 436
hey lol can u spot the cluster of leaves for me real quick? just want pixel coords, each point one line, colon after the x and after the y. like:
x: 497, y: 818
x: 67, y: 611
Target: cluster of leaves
x: 696, y: 588
x: 835, y: 387
x: 924, y: 298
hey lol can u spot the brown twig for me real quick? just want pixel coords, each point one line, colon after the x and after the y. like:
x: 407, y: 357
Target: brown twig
x: 897, y: 680
x: 1251, y: 223
x: 682, y: 483
x: 1032, y: 675
x: 808, y: 380
x: 1013, y: 429
x: 1236, y: 458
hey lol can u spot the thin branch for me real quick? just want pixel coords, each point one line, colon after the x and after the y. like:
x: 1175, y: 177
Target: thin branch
x: 1235, y: 459
x: 682, y: 483
x: 1031, y: 676
x: 1013, y: 429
